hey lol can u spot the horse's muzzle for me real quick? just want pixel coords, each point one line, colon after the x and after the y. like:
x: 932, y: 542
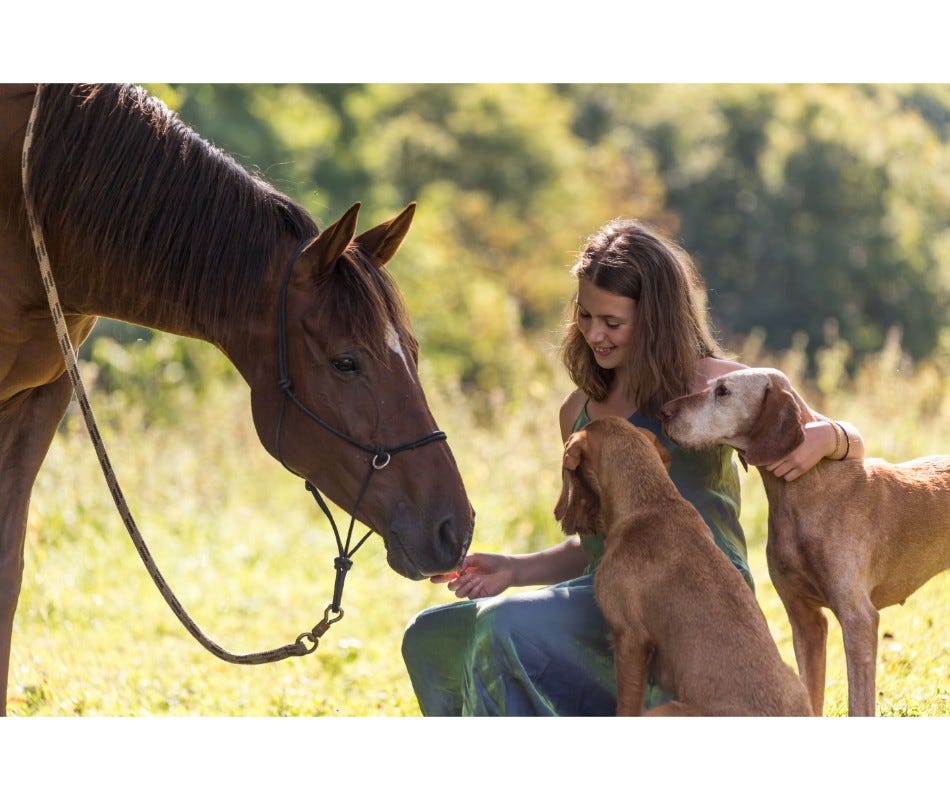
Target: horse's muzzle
x: 440, y: 552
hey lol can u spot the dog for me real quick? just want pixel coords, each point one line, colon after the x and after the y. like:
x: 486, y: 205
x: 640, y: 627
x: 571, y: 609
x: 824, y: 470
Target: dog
x: 676, y: 605
x: 853, y: 536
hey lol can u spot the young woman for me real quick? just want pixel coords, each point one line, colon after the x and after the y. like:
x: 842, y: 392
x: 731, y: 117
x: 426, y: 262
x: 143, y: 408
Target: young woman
x: 636, y: 339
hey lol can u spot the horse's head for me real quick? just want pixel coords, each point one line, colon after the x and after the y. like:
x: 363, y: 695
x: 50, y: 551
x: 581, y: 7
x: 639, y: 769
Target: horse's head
x: 354, y: 392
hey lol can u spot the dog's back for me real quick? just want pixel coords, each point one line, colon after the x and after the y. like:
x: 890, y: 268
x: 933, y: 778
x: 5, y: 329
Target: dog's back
x: 902, y: 510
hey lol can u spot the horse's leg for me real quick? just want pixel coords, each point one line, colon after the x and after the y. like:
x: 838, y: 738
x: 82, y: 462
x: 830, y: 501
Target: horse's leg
x: 25, y: 436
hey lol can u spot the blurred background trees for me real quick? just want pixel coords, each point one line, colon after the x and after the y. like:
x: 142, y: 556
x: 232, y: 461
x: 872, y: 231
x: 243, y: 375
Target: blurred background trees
x: 817, y: 213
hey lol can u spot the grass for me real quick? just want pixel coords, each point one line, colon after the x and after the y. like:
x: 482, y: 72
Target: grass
x: 251, y: 558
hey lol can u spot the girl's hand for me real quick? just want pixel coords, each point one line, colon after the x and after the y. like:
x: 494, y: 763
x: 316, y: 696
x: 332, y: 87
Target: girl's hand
x: 820, y: 442
x: 481, y: 575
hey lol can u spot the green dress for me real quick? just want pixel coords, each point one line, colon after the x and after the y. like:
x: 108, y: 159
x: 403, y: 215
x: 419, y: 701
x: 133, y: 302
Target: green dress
x: 547, y: 652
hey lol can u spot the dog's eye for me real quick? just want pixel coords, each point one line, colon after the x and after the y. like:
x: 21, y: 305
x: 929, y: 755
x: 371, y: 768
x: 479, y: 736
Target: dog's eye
x: 722, y: 390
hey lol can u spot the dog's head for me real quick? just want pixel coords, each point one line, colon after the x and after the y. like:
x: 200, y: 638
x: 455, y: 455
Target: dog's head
x: 754, y: 410
x: 591, y: 452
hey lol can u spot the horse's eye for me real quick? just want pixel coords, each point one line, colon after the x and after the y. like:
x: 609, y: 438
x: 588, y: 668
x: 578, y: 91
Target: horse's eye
x: 345, y: 365
x: 722, y: 390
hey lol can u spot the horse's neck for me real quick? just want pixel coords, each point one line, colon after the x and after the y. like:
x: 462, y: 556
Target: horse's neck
x: 81, y: 295
x: 106, y: 294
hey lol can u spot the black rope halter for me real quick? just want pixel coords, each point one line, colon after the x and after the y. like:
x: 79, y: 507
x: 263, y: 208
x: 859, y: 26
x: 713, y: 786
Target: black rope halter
x: 382, y: 454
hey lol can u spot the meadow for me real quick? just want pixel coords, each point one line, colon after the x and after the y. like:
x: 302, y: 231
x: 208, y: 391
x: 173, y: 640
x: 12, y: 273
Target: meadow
x: 251, y: 557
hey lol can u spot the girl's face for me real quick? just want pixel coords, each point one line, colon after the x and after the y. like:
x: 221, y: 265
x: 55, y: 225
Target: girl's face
x: 606, y: 321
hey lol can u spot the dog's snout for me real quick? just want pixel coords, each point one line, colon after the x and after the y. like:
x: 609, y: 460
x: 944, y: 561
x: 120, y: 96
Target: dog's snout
x: 667, y: 413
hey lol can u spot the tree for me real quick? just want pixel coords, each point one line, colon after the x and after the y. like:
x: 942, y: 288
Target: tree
x: 805, y: 205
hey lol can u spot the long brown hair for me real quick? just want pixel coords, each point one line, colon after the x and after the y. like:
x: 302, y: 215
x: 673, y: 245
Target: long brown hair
x: 671, y: 332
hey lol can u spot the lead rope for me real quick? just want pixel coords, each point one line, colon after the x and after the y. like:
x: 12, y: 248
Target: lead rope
x: 305, y: 643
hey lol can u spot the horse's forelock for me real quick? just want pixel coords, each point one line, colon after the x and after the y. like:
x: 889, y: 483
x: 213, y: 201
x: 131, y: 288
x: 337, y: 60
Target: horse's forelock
x: 360, y: 301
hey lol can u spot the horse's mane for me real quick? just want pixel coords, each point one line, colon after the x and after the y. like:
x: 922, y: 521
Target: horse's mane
x: 129, y: 191
x: 133, y: 194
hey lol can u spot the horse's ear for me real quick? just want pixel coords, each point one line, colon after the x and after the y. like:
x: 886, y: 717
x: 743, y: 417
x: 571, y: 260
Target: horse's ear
x: 324, y: 251
x: 384, y: 240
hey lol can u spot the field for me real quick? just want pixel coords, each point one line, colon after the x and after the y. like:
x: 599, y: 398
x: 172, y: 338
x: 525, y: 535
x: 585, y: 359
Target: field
x: 251, y: 557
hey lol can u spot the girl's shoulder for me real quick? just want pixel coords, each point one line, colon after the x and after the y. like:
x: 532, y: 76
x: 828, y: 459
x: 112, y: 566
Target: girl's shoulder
x: 570, y: 408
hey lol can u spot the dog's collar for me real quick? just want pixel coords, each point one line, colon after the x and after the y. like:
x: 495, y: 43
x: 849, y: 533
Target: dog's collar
x: 741, y: 455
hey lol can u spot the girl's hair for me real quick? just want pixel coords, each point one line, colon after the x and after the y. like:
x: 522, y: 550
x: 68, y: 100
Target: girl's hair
x: 671, y: 332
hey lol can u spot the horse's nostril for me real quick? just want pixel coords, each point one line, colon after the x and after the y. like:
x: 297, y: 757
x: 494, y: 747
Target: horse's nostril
x: 449, y: 541
x: 447, y: 533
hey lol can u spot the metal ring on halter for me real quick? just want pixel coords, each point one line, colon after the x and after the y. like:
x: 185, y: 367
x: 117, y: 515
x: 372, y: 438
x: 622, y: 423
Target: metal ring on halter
x: 377, y: 464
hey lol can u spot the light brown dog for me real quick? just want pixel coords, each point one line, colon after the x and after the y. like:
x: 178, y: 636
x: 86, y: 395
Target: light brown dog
x: 853, y: 536
x: 675, y: 604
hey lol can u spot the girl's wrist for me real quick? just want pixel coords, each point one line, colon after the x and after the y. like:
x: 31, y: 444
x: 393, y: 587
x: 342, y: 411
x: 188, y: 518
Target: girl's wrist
x: 846, y: 438
x: 836, y: 432
x: 842, y: 442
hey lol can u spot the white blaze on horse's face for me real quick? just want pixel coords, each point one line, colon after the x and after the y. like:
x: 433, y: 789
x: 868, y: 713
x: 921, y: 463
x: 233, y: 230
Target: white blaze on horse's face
x: 392, y: 339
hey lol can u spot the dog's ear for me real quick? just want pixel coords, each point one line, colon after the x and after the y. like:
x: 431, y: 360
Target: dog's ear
x: 665, y: 455
x: 573, y: 449
x: 578, y: 506
x: 777, y: 430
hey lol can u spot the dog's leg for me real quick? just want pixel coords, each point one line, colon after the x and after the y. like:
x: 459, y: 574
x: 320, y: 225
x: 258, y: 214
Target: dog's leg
x: 810, y: 640
x: 25, y: 436
x: 631, y: 662
x: 859, y: 624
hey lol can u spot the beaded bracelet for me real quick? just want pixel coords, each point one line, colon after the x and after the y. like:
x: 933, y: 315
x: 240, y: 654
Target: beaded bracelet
x: 847, y: 441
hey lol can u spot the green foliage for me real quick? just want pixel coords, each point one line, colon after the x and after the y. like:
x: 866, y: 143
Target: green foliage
x: 161, y: 377
x: 803, y: 204
x: 507, y: 193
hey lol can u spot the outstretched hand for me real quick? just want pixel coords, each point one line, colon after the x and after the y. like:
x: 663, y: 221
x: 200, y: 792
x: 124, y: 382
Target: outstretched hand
x: 481, y: 575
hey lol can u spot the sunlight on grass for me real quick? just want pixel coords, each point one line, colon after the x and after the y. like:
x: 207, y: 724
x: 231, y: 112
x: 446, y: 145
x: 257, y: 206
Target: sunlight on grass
x: 251, y: 558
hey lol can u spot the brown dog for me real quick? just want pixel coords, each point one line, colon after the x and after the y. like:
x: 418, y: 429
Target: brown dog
x: 675, y: 604
x: 853, y: 536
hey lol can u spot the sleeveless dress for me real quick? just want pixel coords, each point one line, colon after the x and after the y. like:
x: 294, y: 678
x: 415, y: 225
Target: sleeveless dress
x: 546, y: 652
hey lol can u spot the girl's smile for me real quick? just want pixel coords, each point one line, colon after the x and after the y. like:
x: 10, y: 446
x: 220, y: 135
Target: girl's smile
x: 606, y: 321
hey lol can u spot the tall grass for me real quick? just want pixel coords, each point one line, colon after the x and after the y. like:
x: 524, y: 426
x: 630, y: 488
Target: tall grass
x: 251, y: 557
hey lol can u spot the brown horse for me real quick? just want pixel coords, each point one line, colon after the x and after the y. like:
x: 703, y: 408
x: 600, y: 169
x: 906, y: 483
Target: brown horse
x: 146, y: 222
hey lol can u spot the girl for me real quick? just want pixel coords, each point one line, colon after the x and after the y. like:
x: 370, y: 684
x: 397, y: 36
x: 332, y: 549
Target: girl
x: 637, y: 337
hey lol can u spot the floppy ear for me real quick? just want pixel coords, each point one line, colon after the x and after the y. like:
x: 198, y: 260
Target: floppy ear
x: 578, y: 506
x: 384, y: 240
x: 665, y: 455
x: 324, y: 251
x: 777, y: 430
x: 573, y: 449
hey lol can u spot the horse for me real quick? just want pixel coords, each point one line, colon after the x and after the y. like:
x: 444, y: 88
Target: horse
x: 146, y: 222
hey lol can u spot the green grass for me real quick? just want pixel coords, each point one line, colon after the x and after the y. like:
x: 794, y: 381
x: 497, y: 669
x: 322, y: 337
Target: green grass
x: 251, y: 556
